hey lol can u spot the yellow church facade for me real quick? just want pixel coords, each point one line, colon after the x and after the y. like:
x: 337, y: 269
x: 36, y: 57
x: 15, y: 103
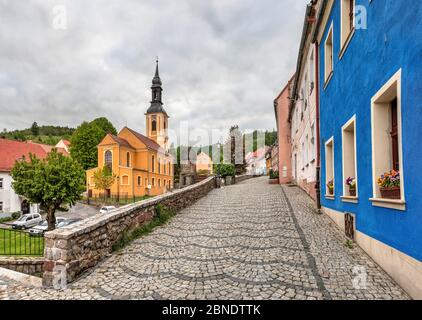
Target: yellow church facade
x: 141, y: 163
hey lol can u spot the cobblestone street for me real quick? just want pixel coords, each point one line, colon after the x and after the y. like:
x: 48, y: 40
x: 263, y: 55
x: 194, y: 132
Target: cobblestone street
x: 248, y: 241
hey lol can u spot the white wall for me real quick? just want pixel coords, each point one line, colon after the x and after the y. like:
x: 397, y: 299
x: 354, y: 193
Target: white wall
x: 11, y: 201
x: 301, y: 127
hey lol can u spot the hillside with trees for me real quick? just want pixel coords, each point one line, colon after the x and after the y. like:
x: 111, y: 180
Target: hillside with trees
x: 46, y: 134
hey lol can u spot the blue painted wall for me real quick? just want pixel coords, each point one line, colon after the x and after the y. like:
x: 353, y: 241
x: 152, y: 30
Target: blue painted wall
x: 392, y: 41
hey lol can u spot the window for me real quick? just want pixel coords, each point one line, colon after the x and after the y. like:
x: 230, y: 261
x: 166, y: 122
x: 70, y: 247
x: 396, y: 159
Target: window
x: 169, y: 184
x: 1, y: 183
x: 329, y: 164
x: 347, y: 20
x: 306, y: 150
x: 153, y: 182
x: 303, y: 155
x: 159, y: 165
x: 128, y: 159
x: 139, y: 181
x: 1, y: 206
x: 349, y: 154
x: 313, y: 148
x: 125, y: 180
x: 328, y: 55
x: 386, y: 134
x: 165, y: 171
x: 152, y: 164
x: 146, y: 182
x: 159, y: 183
x: 154, y: 125
x: 311, y: 73
x: 108, y: 159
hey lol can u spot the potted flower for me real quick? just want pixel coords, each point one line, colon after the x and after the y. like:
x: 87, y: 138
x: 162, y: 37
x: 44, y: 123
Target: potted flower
x: 351, y: 182
x: 330, y: 186
x: 389, y: 184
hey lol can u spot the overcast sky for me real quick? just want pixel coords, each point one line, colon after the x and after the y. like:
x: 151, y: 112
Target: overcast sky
x: 222, y: 62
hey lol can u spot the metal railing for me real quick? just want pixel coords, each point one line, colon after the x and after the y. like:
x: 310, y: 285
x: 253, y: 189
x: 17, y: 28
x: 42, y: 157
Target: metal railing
x: 20, y: 243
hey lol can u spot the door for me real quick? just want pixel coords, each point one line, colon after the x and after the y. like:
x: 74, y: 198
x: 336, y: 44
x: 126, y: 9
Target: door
x: 25, y: 207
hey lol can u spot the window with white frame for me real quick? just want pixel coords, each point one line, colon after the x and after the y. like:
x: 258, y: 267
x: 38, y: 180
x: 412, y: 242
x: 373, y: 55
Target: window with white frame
x: 311, y: 72
x: 347, y: 19
x: 386, y: 133
x: 307, y: 150
x: 313, y: 148
x: 329, y: 164
x: 328, y: 55
x: 349, y: 158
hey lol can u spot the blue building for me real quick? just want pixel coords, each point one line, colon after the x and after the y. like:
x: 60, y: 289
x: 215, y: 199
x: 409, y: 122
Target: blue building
x: 370, y: 101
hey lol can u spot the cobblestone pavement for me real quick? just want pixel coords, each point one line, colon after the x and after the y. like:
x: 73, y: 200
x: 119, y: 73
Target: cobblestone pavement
x: 248, y: 241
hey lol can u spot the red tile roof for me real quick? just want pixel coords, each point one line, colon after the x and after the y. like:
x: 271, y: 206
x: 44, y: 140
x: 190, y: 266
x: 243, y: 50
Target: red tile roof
x: 11, y: 151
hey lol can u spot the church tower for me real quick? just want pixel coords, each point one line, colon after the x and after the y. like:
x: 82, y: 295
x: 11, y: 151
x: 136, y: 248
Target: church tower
x: 156, y: 116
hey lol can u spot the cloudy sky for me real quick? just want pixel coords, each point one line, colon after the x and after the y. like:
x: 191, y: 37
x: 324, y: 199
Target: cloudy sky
x: 222, y: 62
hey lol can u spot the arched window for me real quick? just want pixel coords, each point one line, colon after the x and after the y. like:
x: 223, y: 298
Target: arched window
x: 154, y: 125
x: 108, y: 159
x: 128, y: 159
x: 139, y: 181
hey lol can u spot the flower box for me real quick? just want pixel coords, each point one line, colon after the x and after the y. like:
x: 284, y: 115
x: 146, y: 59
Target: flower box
x: 391, y: 193
x: 352, y: 192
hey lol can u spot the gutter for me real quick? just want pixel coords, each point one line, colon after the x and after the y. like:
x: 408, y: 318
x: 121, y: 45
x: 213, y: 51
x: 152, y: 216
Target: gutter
x: 319, y: 20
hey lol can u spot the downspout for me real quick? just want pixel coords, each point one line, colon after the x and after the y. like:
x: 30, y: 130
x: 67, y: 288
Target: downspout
x: 318, y: 144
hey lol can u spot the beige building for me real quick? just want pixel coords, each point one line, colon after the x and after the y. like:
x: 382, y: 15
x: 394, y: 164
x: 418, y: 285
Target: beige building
x: 204, y: 163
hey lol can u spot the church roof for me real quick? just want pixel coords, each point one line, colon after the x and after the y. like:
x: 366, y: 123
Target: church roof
x: 147, y: 141
x: 122, y: 142
x: 156, y: 105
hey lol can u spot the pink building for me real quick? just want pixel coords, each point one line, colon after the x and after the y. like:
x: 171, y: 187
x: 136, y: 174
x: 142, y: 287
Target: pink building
x: 281, y: 108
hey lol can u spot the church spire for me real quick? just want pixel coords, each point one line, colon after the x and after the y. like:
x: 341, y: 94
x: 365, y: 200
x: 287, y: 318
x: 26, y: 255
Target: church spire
x: 157, y: 91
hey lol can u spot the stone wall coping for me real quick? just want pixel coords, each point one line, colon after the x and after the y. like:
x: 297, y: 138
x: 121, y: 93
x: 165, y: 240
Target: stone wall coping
x: 92, y: 223
x: 23, y: 260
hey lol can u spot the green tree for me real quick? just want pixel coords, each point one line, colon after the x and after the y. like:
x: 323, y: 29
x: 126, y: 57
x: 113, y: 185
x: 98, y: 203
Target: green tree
x: 105, y: 125
x: 104, y: 179
x: 35, y: 129
x: 53, y: 182
x: 85, y: 140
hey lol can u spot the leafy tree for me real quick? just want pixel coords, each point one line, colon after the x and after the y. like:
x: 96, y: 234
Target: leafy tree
x: 105, y: 125
x: 104, y: 179
x: 53, y: 182
x: 85, y: 140
x: 35, y: 129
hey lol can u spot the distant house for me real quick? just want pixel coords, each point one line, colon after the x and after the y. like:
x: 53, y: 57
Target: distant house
x: 10, y: 152
x: 204, y: 163
x: 256, y: 163
x: 64, y: 144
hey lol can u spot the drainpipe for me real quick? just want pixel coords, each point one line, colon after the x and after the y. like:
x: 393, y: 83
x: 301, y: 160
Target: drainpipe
x: 318, y: 164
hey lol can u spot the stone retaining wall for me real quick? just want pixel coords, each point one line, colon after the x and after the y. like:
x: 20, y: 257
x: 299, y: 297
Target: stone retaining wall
x: 28, y: 265
x: 72, y: 250
x: 243, y: 177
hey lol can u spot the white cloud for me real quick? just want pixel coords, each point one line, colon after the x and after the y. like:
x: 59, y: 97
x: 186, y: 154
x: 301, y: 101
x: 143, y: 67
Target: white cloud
x: 221, y: 62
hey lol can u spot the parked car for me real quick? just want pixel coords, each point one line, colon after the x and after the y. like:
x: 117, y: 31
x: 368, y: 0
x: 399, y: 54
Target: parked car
x: 67, y: 222
x: 27, y: 221
x: 40, y: 229
x: 107, y: 209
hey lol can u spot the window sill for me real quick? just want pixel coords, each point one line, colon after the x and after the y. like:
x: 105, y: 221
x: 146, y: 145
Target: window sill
x: 307, y: 165
x: 346, y: 43
x: 388, y: 203
x: 350, y: 199
x: 313, y: 160
x: 329, y: 197
x: 330, y: 76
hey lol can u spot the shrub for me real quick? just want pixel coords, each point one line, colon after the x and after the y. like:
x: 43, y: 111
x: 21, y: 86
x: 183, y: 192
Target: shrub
x: 16, y: 215
x: 274, y: 174
x: 224, y: 170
